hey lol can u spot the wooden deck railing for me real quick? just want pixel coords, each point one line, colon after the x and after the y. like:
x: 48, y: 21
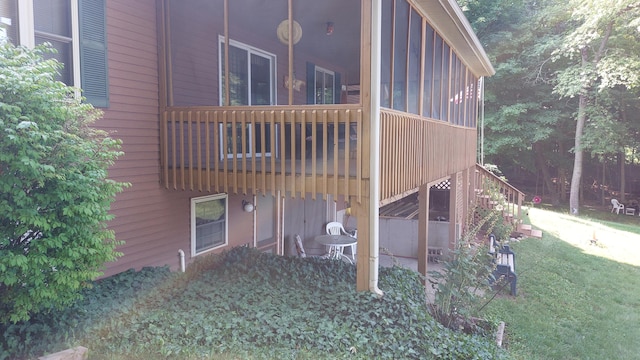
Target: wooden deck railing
x: 493, y: 192
x: 416, y: 151
x: 294, y: 150
x: 306, y: 150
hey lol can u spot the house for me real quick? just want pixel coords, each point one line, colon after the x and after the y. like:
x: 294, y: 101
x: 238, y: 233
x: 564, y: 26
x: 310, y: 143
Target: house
x: 295, y: 111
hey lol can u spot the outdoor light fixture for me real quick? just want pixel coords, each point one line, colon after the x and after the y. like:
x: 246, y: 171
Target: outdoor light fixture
x: 329, y: 28
x: 247, y: 206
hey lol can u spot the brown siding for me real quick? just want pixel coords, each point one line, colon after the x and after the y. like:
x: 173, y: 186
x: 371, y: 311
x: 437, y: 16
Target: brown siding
x: 152, y: 221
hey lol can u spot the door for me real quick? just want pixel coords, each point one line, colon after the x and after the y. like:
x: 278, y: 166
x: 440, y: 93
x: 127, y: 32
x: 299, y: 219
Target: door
x: 266, y: 224
x: 306, y: 218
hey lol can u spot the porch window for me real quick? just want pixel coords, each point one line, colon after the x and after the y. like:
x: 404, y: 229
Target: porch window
x: 251, y: 82
x: 251, y: 75
x: 324, y: 86
x: 208, y: 223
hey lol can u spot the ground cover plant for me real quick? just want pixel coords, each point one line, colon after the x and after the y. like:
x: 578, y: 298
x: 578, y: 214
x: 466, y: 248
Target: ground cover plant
x: 577, y: 298
x: 250, y: 305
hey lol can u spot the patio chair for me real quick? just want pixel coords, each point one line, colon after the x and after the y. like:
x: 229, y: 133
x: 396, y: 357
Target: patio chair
x: 616, y: 206
x: 336, y: 228
x: 300, y: 247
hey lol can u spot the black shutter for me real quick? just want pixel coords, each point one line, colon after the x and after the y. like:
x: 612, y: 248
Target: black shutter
x: 337, y: 91
x: 311, y: 83
x: 93, y: 52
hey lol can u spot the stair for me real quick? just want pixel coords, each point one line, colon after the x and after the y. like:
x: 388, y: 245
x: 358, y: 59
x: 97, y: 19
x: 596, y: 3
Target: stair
x: 526, y: 230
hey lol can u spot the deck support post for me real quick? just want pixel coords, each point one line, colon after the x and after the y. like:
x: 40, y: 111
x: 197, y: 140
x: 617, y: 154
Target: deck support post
x: 423, y: 229
x: 453, y: 210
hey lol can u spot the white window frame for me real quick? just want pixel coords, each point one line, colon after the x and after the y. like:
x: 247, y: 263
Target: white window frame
x: 273, y: 95
x: 27, y: 34
x: 194, y: 202
x: 250, y: 50
x: 315, y: 82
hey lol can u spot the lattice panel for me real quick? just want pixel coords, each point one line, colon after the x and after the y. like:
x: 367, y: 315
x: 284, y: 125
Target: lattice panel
x: 445, y: 185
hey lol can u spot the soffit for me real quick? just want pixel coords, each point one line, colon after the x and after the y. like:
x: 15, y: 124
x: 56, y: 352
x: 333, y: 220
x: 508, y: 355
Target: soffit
x: 449, y: 20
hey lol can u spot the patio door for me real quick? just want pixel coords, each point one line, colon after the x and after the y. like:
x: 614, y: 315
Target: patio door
x: 251, y: 83
x: 267, y: 219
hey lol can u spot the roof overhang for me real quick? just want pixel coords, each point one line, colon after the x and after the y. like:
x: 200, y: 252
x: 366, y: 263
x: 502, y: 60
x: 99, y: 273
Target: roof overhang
x: 449, y: 21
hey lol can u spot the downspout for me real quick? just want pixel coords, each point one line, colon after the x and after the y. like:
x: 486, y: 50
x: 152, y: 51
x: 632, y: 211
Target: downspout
x: 253, y: 214
x: 374, y: 150
x: 482, y: 120
x: 182, y: 266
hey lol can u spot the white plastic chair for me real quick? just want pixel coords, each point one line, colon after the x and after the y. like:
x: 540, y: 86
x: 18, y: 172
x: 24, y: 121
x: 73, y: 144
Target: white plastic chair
x: 336, y: 228
x: 616, y: 206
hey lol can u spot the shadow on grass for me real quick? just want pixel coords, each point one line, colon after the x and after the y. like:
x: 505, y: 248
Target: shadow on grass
x: 576, y: 300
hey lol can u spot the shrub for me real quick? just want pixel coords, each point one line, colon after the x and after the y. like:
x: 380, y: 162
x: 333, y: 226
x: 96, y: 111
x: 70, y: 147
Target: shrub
x: 54, y: 195
x: 463, y: 282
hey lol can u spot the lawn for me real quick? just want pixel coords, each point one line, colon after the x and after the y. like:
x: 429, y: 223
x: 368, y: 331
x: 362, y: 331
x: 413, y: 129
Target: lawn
x: 248, y: 305
x: 576, y: 299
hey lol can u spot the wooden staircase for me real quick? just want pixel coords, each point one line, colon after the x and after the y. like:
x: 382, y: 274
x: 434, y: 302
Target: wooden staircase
x: 527, y: 230
x: 492, y: 192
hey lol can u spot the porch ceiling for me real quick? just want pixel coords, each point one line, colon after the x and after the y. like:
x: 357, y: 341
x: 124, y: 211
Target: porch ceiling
x: 264, y: 16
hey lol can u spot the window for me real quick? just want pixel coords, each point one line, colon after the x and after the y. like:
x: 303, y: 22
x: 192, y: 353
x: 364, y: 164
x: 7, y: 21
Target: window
x: 208, y: 223
x: 324, y: 86
x: 74, y: 28
x: 251, y: 82
x: 252, y: 75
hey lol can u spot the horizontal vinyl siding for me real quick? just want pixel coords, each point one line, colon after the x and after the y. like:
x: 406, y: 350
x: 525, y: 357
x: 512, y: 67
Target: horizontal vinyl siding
x: 151, y: 220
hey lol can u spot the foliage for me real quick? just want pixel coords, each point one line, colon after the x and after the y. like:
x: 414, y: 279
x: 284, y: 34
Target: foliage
x: 531, y: 102
x: 463, y: 282
x: 54, y: 195
x: 252, y: 305
x: 51, y: 332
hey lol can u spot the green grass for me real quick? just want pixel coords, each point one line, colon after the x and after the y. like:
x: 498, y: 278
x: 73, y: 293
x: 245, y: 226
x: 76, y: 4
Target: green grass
x: 575, y: 300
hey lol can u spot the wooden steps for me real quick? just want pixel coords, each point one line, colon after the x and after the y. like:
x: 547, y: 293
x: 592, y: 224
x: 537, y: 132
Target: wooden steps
x: 527, y: 230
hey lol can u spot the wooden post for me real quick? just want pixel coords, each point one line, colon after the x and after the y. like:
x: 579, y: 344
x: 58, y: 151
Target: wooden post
x: 423, y: 229
x: 453, y: 211
x: 363, y: 266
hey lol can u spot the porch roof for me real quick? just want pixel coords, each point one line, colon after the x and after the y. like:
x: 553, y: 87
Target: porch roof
x: 449, y: 20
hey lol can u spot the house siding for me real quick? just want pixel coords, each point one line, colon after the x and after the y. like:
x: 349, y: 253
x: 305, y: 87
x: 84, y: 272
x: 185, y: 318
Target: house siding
x: 152, y: 221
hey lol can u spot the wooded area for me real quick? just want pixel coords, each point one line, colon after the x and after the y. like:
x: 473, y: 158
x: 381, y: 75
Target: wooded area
x: 562, y: 113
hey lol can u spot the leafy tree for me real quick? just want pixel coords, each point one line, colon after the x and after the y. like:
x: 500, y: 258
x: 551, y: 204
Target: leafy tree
x: 603, y: 53
x: 525, y: 123
x: 532, y: 104
x: 54, y: 194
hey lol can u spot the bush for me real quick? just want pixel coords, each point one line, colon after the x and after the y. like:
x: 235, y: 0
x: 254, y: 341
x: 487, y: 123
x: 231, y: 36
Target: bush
x: 54, y: 195
x: 464, y: 281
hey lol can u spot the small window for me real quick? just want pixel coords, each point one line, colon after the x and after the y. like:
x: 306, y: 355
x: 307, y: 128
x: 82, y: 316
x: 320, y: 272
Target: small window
x: 208, y: 223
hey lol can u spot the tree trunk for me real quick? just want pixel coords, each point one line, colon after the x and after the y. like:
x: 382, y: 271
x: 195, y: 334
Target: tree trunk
x: 576, y: 177
x: 546, y: 175
x: 574, y: 195
x: 602, y: 194
x: 623, y: 190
